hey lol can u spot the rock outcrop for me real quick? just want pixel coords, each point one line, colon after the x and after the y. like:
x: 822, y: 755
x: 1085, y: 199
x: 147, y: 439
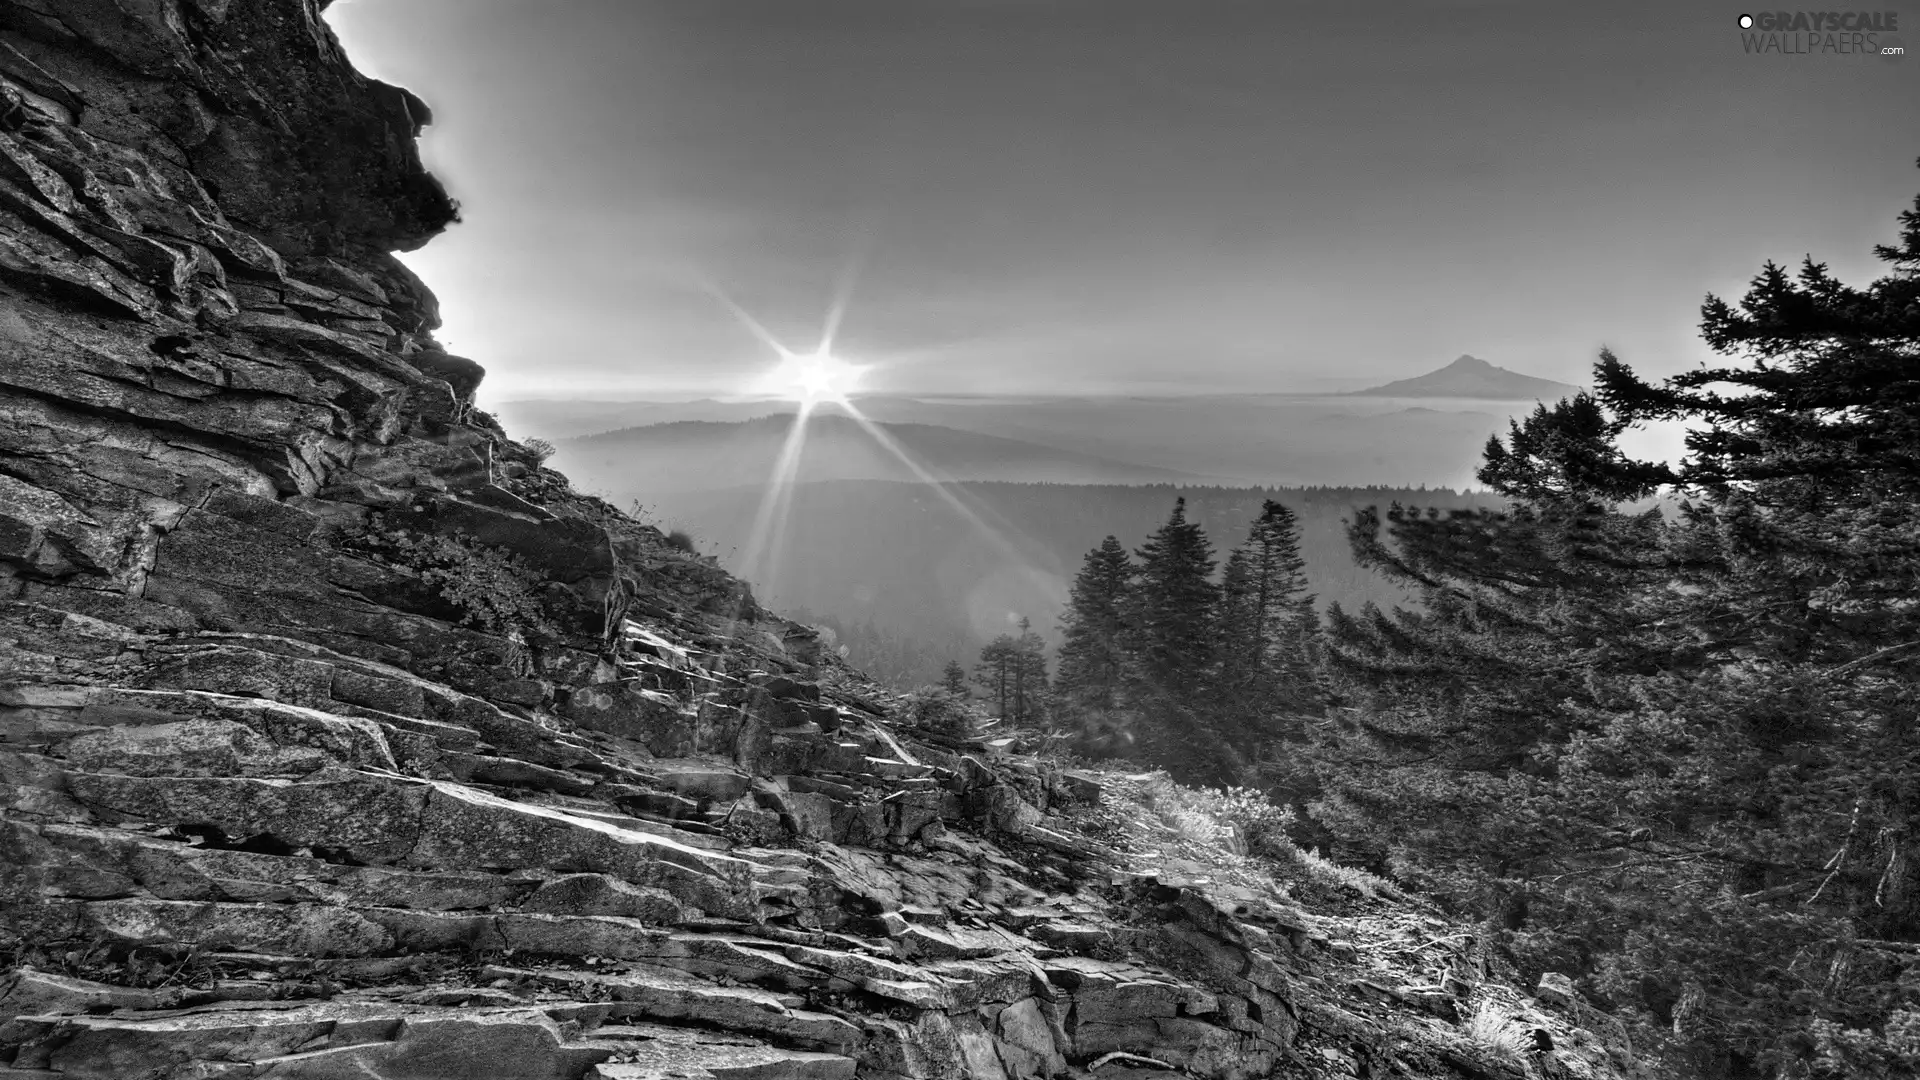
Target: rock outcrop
x: 343, y: 739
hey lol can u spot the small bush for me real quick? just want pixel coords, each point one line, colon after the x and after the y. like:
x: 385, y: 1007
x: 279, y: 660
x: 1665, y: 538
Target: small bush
x: 1327, y: 872
x: 495, y: 590
x: 540, y: 449
x: 1198, y: 827
x: 1240, y: 820
x: 1259, y: 826
x: 681, y: 540
x: 939, y: 710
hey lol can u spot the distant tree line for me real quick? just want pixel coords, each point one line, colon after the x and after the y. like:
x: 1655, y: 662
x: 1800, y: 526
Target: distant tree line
x: 890, y: 568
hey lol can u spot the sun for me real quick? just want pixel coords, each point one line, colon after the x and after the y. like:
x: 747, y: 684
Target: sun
x: 810, y: 378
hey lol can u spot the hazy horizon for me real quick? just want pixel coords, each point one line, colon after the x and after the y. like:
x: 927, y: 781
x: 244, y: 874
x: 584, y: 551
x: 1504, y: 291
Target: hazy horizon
x: 1127, y: 197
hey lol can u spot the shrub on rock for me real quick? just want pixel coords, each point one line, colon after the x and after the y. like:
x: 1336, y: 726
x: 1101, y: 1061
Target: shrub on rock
x: 940, y: 711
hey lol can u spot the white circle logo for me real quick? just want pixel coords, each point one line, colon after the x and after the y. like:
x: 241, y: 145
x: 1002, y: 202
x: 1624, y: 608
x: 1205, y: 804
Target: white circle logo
x: 1746, y: 22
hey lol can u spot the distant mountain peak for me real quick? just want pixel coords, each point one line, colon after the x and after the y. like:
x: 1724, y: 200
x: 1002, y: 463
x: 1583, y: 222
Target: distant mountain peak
x: 1471, y: 377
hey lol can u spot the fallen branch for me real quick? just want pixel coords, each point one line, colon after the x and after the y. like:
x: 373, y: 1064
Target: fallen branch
x: 1777, y: 891
x: 1131, y: 1059
x: 1891, y: 946
x: 1871, y: 657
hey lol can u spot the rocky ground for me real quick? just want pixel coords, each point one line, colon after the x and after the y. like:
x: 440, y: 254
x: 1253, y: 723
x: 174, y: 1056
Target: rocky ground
x: 341, y: 739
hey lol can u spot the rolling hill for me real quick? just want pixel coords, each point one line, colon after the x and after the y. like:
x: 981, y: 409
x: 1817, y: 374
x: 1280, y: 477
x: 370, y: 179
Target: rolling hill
x: 657, y: 459
x: 1285, y: 440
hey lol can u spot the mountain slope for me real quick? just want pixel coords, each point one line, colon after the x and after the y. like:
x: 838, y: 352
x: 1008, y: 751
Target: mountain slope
x: 1472, y: 377
x: 340, y: 739
x: 691, y: 455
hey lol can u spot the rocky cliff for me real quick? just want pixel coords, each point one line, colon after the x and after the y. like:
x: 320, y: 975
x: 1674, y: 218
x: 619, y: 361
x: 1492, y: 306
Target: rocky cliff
x: 341, y: 739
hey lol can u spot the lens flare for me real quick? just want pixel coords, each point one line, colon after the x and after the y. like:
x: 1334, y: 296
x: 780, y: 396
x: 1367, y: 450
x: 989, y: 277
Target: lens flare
x: 810, y: 378
x: 820, y: 378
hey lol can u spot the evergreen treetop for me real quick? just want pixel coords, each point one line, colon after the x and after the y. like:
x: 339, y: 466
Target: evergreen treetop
x: 1677, y: 756
x: 1173, y: 606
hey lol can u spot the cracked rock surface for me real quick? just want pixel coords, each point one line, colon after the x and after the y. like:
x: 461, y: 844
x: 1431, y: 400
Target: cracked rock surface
x: 338, y: 738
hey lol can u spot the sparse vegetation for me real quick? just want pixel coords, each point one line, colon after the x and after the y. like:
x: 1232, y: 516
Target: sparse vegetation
x: 540, y: 449
x: 1260, y: 827
x: 1318, y: 868
x: 681, y: 540
x: 1245, y: 823
x: 939, y: 710
x: 1496, y: 1028
x: 148, y: 967
x: 1239, y: 820
x: 494, y: 589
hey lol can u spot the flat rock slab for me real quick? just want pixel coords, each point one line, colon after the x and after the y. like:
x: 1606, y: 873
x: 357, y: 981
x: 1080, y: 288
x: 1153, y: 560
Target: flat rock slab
x: 707, y: 783
x: 951, y: 943
x: 296, y: 929
x: 452, y: 1047
x: 311, y: 1042
x: 665, y: 1054
x: 463, y: 827
x: 601, y: 894
x: 664, y: 994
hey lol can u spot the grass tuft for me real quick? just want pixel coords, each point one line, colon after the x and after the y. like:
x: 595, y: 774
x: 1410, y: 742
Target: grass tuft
x: 1499, y: 1030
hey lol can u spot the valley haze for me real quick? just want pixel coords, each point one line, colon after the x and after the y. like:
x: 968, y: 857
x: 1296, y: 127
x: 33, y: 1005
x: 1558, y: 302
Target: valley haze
x: 911, y: 580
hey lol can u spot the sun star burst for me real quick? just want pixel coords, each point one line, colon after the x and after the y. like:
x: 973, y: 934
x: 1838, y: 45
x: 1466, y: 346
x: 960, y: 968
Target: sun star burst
x: 810, y: 378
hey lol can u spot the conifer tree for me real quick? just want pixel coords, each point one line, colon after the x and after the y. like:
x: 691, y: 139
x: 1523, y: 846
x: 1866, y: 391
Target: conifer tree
x: 1172, y: 618
x: 1173, y: 608
x: 1029, y: 674
x: 999, y: 661
x: 1283, y: 618
x: 1237, y: 650
x: 954, y: 679
x: 1267, y: 627
x: 1677, y: 757
x: 1092, y: 650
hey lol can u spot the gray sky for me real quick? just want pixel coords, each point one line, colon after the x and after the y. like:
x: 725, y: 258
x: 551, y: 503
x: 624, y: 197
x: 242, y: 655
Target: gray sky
x: 1085, y: 196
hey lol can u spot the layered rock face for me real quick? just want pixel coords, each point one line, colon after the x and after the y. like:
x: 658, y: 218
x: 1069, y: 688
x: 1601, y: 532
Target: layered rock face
x: 342, y: 739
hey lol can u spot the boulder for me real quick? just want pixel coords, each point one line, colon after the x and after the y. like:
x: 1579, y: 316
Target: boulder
x: 1556, y: 989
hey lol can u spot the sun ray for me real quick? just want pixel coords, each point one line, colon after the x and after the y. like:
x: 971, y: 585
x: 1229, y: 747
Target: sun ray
x: 842, y: 296
x: 746, y: 319
x: 941, y: 487
x: 821, y: 378
x: 775, y: 500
